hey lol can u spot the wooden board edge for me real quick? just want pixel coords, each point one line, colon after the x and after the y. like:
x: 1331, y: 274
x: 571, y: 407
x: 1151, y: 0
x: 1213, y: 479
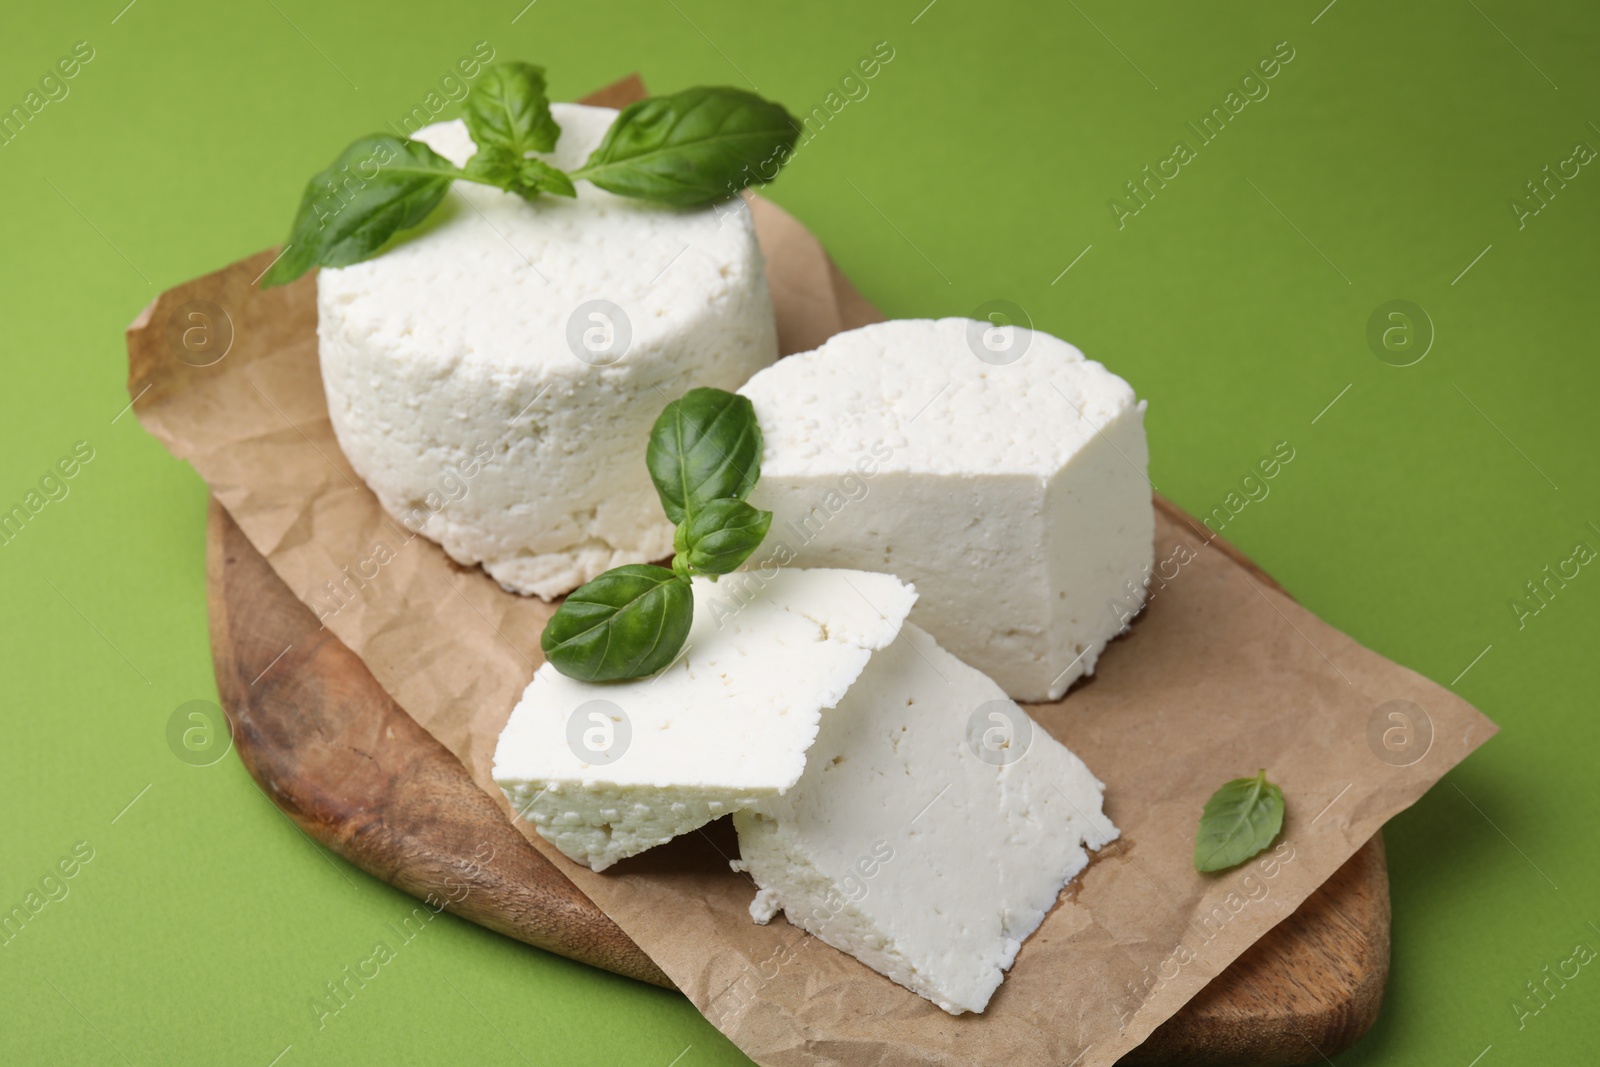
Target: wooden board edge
x: 349, y: 767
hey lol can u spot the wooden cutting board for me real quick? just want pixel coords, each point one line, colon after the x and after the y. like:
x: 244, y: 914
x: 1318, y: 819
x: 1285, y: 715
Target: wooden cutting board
x: 351, y: 768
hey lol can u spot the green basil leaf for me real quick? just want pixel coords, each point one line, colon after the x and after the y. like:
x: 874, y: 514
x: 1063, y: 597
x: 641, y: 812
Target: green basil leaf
x: 1239, y: 821
x: 628, y: 623
x: 508, y: 109
x: 523, y: 175
x: 705, y: 446
x: 720, y: 536
x: 377, y: 187
x: 692, y: 147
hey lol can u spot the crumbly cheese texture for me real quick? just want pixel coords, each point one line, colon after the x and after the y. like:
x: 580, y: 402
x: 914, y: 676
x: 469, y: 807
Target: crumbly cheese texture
x: 1014, y: 497
x: 725, y: 726
x: 456, y: 393
x: 903, y: 847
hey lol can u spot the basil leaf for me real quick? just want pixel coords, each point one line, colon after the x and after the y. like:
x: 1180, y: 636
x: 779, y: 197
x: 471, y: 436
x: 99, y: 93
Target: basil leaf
x: 628, y: 623
x: 721, y: 536
x: 508, y: 109
x: 1239, y: 821
x: 705, y: 446
x: 377, y: 187
x: 523, y: 175
x: 692, y: 147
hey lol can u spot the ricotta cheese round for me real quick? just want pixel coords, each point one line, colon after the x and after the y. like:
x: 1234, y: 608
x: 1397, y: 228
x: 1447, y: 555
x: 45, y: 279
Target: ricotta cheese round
x: 494, y: 375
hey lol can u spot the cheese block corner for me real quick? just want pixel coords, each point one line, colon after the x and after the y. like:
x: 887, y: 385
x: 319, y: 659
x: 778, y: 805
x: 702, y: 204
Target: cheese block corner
x: 1012, y: 493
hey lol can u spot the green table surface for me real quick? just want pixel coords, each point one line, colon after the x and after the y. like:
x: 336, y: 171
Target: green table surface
x: 1389, y: 159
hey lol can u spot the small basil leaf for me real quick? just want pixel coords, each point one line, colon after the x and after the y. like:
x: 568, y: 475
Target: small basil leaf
x: 508, y: 108
x: 692, y: 147
x: 1239, y: 821
x: 523, y: 175
x: 628, y: 623
x: 705, y: 446
x: 377, y: 187
x: 721, y: 536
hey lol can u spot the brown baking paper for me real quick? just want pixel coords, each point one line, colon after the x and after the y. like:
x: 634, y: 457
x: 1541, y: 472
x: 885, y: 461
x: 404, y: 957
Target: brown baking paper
x: 1220, y: 675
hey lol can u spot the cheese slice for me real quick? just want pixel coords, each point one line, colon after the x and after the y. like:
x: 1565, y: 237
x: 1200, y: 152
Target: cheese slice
x: 604, y: 771
x: 494, y: 375
x: 933, y: 828
x: 1012, y: 494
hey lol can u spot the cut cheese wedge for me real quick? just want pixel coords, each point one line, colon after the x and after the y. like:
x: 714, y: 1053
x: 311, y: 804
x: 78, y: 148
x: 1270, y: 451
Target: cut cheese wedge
x: 1009, y: 487
x: 604, y: 771
x: 933, y: 828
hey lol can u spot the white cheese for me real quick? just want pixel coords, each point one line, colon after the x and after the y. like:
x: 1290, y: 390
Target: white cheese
x: 727, y: 725
x: 933, y: 828
x: 454, y: 381
x: 1013, y: 495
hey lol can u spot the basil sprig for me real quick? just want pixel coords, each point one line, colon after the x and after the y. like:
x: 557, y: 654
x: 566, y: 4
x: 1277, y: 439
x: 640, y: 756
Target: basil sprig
x: 509, y: 107
x: 1239, y: 821
x: 629, y: 622
x: 508, y: 116
x: 687, y: 149
x: 691, y: 147
x: 720, y: 536
x: 376, y: 187
x: 704, y: 456
x: 705, y: 446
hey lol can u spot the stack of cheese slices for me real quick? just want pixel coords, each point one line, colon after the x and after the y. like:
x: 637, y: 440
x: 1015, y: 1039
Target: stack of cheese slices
x: 952, y: 531
x: 888, y: 798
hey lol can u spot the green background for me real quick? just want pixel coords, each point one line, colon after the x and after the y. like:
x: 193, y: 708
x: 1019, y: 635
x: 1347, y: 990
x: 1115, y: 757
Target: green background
x: 980, y: 166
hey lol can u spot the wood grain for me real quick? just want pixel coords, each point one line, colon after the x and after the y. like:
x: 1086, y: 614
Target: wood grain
x: 352, y: 769
x: 1306, y: 991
